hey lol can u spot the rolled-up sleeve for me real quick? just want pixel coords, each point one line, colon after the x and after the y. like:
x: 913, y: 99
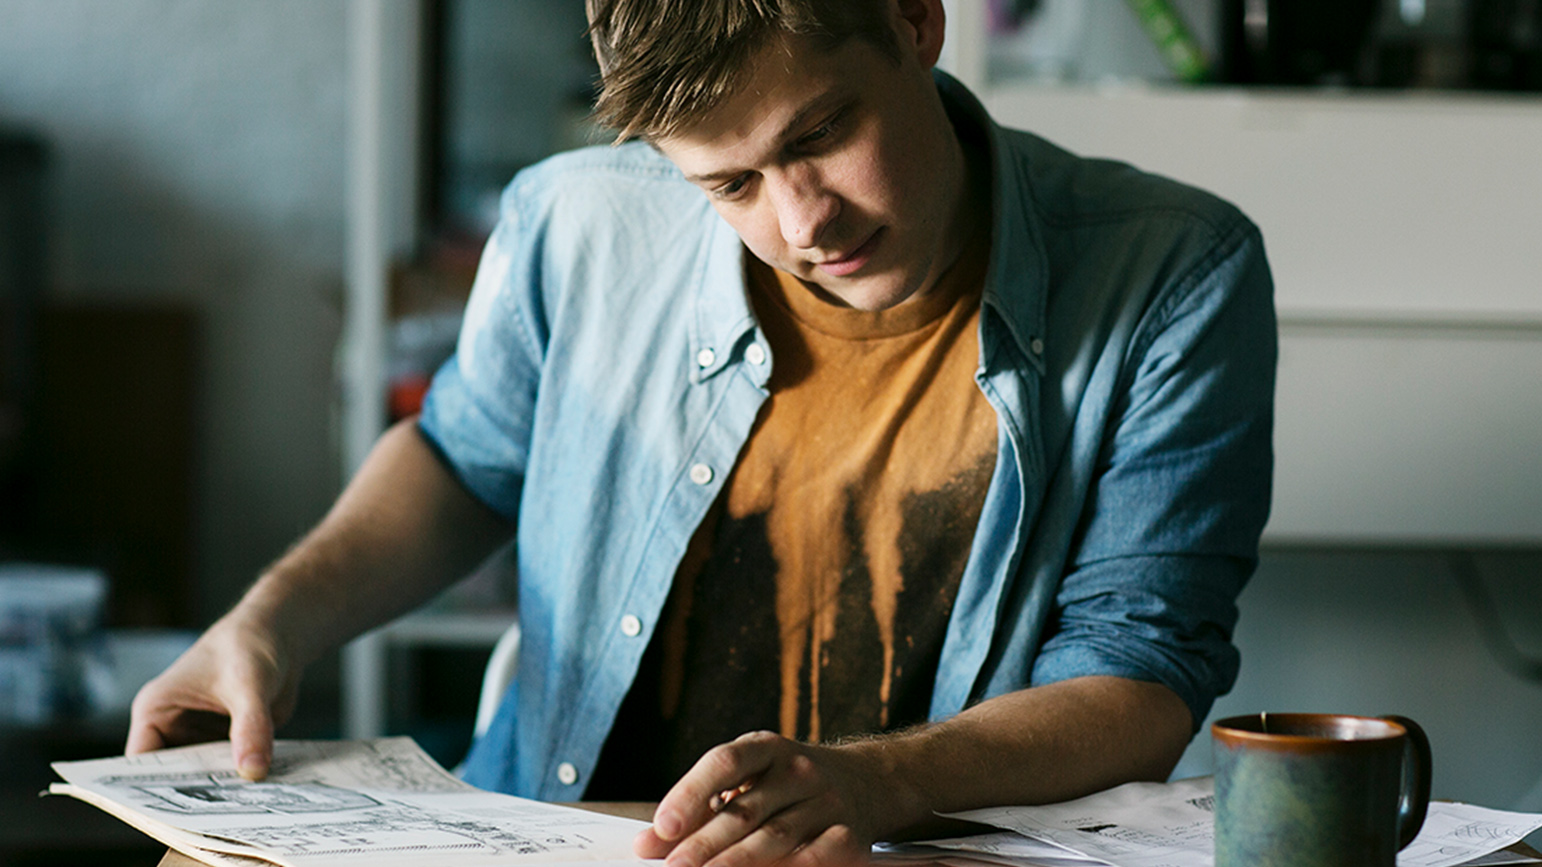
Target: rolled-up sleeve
x: 1169, y: 535
x: 478, y: 412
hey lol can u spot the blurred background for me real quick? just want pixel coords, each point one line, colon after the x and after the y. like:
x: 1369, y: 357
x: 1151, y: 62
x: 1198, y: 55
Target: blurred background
x: 235, y: 239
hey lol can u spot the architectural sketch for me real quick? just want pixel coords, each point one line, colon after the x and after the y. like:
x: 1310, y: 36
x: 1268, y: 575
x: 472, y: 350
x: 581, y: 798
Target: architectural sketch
x: 381, y: 802
x: 221, y: 797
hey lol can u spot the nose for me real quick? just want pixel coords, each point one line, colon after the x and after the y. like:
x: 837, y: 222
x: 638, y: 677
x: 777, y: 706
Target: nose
x: 805, y: 206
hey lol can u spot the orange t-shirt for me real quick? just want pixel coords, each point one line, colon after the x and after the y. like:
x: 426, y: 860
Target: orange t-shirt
x: 814, y: 599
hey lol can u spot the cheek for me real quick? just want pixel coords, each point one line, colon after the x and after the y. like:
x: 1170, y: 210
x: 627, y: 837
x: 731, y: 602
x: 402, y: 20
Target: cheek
x: 874, y: 175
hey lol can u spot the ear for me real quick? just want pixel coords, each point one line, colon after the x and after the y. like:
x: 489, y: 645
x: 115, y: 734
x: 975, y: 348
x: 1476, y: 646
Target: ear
x: 921, y: 27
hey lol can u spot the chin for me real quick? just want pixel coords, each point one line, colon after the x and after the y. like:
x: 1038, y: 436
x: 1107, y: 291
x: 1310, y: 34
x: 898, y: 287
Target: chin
x: 885, y: 295
x: 879, y: 292
x: 880, y: 299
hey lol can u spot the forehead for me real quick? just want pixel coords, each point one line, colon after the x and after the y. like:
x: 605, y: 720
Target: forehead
x: 788, y: 83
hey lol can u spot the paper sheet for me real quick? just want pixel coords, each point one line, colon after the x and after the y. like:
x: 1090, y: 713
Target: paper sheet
x: 1002, y: 848
x: 381, y: 802
x: 1173, y: 825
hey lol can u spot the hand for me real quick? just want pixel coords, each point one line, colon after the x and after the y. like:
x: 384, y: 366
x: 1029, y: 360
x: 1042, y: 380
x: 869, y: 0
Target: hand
x: 233, y: 682
x: 763, y: 798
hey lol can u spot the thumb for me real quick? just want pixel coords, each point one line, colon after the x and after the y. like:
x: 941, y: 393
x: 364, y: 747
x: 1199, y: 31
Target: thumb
x: 251, y: 740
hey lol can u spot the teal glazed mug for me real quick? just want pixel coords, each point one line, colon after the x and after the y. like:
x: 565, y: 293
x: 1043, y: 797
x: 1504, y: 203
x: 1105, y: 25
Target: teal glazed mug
x: 1317, y: 789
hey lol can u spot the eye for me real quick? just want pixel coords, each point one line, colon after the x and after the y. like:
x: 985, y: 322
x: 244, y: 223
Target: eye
x: 732, y: 189
x: 815, y: 135
x: 820, y: 135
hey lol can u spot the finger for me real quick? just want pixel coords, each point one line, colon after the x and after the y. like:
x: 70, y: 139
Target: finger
x: 648, y: 844
x: 143, y: 738
x: 725, y: 842
x: 838, y: 846
x: 173, y: 726
x: 769, y: 811
x: 251, y: 739
x: 158, y: 719
x: 688, y: 805
x: 720, y: 801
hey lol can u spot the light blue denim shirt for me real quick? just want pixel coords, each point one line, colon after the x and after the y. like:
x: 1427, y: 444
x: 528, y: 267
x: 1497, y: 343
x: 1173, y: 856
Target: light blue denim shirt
x: 601, y: 393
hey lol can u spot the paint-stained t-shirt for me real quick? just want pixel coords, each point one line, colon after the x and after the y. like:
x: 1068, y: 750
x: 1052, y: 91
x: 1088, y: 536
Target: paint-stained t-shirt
x: 814, y: 599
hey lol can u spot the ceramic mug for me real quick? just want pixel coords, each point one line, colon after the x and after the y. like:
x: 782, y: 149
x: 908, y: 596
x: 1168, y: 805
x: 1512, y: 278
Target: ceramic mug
x: 1318, y: 790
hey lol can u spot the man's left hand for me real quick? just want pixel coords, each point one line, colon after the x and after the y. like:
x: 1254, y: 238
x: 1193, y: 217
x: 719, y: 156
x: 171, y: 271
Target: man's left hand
x: 763, y: 798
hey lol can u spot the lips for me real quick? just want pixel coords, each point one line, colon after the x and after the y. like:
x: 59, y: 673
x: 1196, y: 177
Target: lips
x: 853, y: 261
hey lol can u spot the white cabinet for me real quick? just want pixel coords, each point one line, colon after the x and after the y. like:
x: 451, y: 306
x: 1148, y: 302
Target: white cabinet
x: 1426, y: 207
x: 1416, y: 435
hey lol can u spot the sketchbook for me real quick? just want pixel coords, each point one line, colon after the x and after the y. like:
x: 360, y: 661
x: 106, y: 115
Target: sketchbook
x: 378, y: 802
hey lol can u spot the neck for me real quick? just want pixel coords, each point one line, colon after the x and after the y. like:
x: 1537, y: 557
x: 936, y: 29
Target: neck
x: 971, y: 214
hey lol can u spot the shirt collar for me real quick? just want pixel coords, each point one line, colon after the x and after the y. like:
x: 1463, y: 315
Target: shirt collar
x: 723, y: 314
x: 1016, y: 282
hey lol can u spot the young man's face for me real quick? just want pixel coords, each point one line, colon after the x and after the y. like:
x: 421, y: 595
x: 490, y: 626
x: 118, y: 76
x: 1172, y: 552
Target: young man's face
x: 839, y: 167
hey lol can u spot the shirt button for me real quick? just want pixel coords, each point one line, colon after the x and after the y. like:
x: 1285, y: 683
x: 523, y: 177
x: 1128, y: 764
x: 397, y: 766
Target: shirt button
x: 701, y: 474
x: 755, y: 354
x: 705, y: 358
x: 631, y: 627
x: 1036, y: 346
x: 567, y: 775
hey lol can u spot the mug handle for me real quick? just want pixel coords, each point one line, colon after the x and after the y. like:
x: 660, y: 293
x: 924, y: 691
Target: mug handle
x: 1414, y: 801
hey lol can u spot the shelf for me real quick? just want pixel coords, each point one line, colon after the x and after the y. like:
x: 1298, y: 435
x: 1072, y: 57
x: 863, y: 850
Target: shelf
x: 449, y: 628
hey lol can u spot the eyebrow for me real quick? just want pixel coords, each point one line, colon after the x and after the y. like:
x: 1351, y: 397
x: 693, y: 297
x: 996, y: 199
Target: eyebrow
x: 826, y: 101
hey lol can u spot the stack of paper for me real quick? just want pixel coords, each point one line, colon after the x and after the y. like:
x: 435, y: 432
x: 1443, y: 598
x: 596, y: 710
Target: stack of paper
x: 380, y: 802
x: 384, y: 802
x: 1173, y: 825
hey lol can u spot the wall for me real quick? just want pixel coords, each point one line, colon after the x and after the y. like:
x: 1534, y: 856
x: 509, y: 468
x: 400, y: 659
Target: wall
x: 516, y: 76
x: 199, y: 157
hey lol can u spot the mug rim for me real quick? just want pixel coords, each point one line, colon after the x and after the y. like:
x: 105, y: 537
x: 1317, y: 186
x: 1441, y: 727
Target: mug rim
x: 1373, y: 729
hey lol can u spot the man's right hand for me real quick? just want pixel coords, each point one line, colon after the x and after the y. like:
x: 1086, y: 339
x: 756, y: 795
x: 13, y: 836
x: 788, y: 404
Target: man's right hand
x: 403, y: 530
x: 234, y: 682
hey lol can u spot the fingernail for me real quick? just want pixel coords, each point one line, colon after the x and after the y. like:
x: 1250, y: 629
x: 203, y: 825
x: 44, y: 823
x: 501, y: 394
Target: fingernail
x: 667, y: 825
x: 252, y: 768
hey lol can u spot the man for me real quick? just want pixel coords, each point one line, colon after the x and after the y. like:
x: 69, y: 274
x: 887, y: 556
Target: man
x: 931, y: 456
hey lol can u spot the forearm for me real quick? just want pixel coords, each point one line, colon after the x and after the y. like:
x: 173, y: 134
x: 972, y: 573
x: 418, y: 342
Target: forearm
x: 402, y: 530
x: 1038, y: 745
x: 762, y: 798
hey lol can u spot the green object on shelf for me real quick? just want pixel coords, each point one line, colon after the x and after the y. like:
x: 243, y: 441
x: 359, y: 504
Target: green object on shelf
x: 1172, y: 38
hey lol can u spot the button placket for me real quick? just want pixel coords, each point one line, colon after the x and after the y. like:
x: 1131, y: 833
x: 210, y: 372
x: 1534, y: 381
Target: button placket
x: 567, y: 774
x: 631, y: 626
